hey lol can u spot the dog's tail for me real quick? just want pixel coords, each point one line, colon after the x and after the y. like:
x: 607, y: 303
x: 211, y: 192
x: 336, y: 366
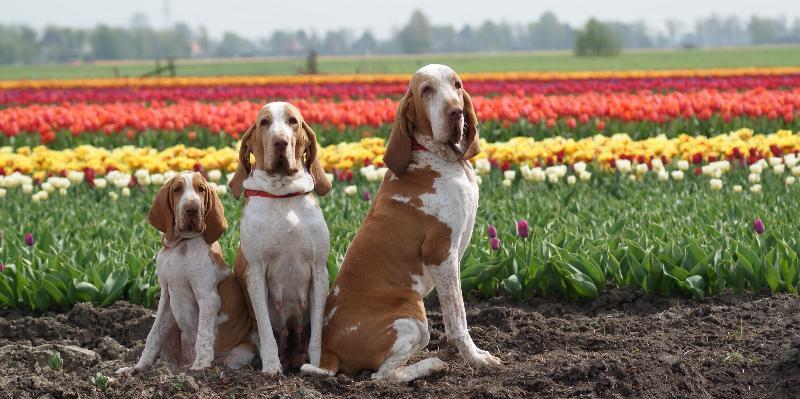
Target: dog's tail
x: 328, y: 365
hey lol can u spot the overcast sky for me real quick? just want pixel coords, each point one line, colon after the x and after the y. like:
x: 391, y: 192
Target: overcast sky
x: 258, y: 18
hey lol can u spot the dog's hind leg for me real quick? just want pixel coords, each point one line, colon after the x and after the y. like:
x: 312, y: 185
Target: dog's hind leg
x: 412, y: 335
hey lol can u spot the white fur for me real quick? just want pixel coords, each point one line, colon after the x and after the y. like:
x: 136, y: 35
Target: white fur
x: 444, y: 92
x: 285, y: 242
x: 412, y: 336
x: 279, y: 129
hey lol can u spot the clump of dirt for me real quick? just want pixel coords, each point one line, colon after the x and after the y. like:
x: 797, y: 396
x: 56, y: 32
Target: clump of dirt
x: 622, y: 344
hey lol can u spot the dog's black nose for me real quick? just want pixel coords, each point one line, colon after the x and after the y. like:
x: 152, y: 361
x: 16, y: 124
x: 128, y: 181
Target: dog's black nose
x: 455, y: 113
x: 280, y: 144
x: 192, y: 211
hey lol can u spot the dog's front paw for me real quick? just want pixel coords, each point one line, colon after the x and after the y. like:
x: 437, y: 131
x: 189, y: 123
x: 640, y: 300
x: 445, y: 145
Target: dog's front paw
x: 271, y: 369
x: 201, y: 364
x: 482, y: 359
x: 127, y: 370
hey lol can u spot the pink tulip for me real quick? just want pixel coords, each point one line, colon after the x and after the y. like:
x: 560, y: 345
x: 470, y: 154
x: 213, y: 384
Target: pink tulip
x: 495, y: 242
x: 29, y: 241
x: 522, y: 228
x: 491, y: 231
x: 367, y: 196
x: 758, y: 226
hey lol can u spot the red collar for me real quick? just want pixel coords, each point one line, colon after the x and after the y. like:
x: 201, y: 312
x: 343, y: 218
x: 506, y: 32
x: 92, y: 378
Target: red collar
x: 416, y: 146
x: 264, y: 194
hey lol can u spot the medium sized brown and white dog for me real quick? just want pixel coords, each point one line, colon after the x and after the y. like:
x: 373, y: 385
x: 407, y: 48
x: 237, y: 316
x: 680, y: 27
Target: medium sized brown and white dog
x: 284, y: 241
x: 411, y: 241
x: 202, y: 314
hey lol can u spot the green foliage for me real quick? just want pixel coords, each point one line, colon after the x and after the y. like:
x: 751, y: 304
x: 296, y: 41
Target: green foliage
x: 595, y: 39
x: 56, y: 362
x: 100, y: 381
x: 671, y: 238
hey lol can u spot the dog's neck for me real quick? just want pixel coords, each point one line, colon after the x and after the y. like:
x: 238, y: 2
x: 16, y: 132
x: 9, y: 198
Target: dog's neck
x: 277, y: 184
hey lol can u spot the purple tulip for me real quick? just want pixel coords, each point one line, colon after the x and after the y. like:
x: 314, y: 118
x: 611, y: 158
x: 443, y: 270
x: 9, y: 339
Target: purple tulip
x: 495, y: 243
x: 29, y: 241
x: 758, y: 226
x: 367, y: 196
x: 491, y: 231
x: 522, y: 228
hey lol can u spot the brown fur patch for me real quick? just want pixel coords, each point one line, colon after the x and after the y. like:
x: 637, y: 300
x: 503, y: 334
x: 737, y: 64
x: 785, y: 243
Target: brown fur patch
x: 236, y: 329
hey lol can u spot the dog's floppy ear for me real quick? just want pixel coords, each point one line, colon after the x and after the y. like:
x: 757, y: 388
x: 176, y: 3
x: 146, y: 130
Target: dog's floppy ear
x: 215, y: 221
x: 472, y: 139
x: 321, y: 183
x: 244, y: 168
x: 398, y: 150
x: 162, y: 213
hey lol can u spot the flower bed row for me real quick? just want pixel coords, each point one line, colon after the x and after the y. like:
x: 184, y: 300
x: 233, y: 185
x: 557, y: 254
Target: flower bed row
x: 741, y: 147
x: 587, y: 109
x: 371, y: 90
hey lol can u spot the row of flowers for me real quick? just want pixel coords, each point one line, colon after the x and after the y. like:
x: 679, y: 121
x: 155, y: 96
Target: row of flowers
x: 371, y: 90
x: 388, y: 78
x: 118, y: 183
x: 235, y: 117
x: 743, y: 147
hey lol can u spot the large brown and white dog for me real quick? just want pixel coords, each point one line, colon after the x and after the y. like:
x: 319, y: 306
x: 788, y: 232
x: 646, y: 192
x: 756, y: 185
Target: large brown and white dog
x: 202, y: 314
x: 411, y: 241
x: 284, y: 243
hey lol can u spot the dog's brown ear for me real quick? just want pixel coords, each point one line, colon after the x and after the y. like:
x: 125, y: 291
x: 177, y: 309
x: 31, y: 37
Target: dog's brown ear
x: 398, y: 149
x: 244, y: 168
x: 321, y: 183
x: 215, y: 221
x: 472, y: 139
x: 162, y: 213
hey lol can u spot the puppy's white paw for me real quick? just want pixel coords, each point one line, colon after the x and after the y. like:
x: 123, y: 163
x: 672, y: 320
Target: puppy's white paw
x: 201, y: 364
x: 311, y: 370
x: 127, y: 371
x: 482, y: 359
x: 271, y: 369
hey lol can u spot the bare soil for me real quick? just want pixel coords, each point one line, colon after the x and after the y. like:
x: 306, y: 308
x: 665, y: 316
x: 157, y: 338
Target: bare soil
x: 622, y: 344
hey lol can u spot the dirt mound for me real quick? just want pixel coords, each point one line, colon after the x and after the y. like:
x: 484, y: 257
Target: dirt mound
x: 622, y: 344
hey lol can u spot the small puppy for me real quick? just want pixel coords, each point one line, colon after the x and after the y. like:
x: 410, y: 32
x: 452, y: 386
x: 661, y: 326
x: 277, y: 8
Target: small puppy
x: 202, y: 314
x: 284, y: 244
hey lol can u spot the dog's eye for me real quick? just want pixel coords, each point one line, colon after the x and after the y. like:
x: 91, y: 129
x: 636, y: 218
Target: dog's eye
x: 264, y: 122
x: 292, y: 121
x: 201, y: 189
x: 177, y: 189
x: 427, y: 90
x: 458, y: 85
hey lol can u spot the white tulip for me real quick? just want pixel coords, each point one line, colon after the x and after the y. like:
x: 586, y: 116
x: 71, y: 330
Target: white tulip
x: 796, y: 171
x: 62, y: 191
x: 683, y: 165
x: 579, y: 168
x: 215, y: 175
x: 789, y: 180
x: 737, y: 189
x: 144, y: 180
x: 790, y: 160
x: 753, y: 178
x: 328, y: 175
x: 157, y: 179
x: 756, y: 188
x: 585, y: 176
x: 756, y: 168
x: 168, y: 175
x: 708, y: 170
x: 552, y: 178
x: 27, y: 188
x: 126, y: 192
x: 538, y: 175
x: 2, y: 193
x: 478, y: 179
x: 141, y: 174
x: 382, y: 172
x: 350, y: 190
x: 663, y: 175
x: 113, y: 195
x: 510, y: 175
x: 779, y: 169
x: 100, y: 183
x: 775, y: 161
x: 632, y: 177
x: 677, y: 175
x: 571, y: 179
x: 506, y: 183
x: 641, y: 168
x: 2, y: 181
x: 715, y: 184
x: 623, y: 165
x: 47, y: 186
x: 75, y: 177
x: 482, y: 166
x: 42, y: 195
x: 656, y: 164
x: 221, y: 189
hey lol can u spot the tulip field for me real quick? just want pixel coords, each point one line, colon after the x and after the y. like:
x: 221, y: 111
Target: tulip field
x: 673, y: 182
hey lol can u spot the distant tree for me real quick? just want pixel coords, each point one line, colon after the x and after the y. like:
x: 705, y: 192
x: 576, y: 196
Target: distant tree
x: 765, y: 30
x: 550, y: 34
x: 366, y: 44
x: 416, y: 36
x: 335, y: 42
x: 596, y: 39
x: 17, y: 45
x: 109, y: 43
x: 233, y: 45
